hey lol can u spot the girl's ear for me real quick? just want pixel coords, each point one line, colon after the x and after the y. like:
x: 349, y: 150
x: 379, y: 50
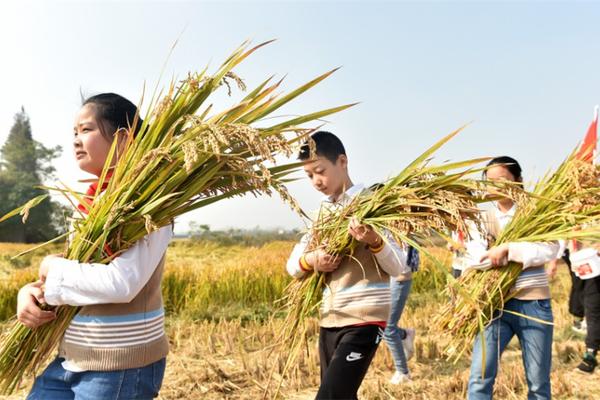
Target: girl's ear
x: 122, y: 136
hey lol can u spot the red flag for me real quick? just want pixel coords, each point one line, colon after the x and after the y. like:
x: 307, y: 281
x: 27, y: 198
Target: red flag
x: 587, y: 151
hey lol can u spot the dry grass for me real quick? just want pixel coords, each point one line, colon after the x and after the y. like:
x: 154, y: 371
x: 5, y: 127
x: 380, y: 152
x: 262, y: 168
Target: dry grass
x: 231, y: 358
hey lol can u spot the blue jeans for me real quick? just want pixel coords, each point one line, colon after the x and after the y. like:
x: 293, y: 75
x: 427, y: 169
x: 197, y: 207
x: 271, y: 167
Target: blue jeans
x: 535, y: 339
x: 57, y: 383
x: 393, y: 334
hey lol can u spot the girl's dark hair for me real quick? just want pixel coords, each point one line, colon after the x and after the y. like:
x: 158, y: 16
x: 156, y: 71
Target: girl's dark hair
x: 510, y: 164
x: 114, y: 112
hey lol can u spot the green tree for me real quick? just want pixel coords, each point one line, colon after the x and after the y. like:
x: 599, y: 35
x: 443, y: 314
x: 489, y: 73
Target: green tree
x: 25, y: 164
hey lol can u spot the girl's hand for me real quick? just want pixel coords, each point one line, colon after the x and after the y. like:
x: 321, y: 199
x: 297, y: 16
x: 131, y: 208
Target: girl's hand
x: 322, y: 261
x: 552, y: 268
x: 454, y: 246
x: 498, y: 256
x: 364, y: 233
x: 29, y: 312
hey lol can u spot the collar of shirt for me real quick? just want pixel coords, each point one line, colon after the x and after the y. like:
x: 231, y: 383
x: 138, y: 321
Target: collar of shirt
x: 504, y: 217
x: 349, y: 194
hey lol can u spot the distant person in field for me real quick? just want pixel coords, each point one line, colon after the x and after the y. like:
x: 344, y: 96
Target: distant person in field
x: 356, y: 301
x: 401, y: 341
x: 457, y: 247
x: 576, y: 308
x: 589, y: 291
x: 466, y: 248
x: 115, y: 347
x: 584, y: 301
x: 529, y: 314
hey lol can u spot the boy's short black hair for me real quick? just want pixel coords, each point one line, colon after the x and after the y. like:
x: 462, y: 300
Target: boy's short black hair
x: 326, y: 145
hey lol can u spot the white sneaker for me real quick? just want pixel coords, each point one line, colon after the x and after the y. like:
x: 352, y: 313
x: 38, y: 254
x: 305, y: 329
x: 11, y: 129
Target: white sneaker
x: 579, y: 326
x: 399, y: 378
x: 408, y: 343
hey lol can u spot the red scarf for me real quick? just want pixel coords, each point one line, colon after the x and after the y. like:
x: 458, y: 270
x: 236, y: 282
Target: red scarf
x: 88, y: 199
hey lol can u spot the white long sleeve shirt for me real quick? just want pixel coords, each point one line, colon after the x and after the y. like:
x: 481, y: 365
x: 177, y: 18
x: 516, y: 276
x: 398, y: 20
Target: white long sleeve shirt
x: 392, y: 258
x: 530, y: 254
x: 79, y: 284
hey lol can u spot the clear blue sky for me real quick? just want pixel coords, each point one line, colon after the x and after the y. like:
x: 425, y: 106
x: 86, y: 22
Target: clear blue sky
x: 526, y: 73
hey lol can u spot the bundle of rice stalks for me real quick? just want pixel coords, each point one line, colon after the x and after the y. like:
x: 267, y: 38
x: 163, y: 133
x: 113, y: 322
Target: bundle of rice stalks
x: 184, y: 158
x: 562, y: 205
x: 422, y: 200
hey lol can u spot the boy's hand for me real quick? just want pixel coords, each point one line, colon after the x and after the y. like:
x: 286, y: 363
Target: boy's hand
x: 29, y: 312
x: 322, y: 261
x: 364, y: 233
x: 498, y: 256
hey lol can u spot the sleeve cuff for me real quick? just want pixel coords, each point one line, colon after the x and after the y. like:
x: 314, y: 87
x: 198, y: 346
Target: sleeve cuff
x: 529, y: 255
x: 304, y: 265
x: 516, y: 252
x: 384, y: 252
x: 55, y: 278
x: 377, y: 249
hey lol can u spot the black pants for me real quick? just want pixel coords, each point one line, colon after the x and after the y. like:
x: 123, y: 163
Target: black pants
x: 591, y: 306
x: 576, y: 294
x: 345, y: 355
x: 584, y: 300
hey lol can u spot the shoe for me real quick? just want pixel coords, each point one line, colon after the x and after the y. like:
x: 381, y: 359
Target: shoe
x: 588, y: 364
x: 579, y: 326
x: 408, y: 343
x: 399, y: 378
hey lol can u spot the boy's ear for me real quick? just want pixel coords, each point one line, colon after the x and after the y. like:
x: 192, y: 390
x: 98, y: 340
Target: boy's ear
x: 342, y: 160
